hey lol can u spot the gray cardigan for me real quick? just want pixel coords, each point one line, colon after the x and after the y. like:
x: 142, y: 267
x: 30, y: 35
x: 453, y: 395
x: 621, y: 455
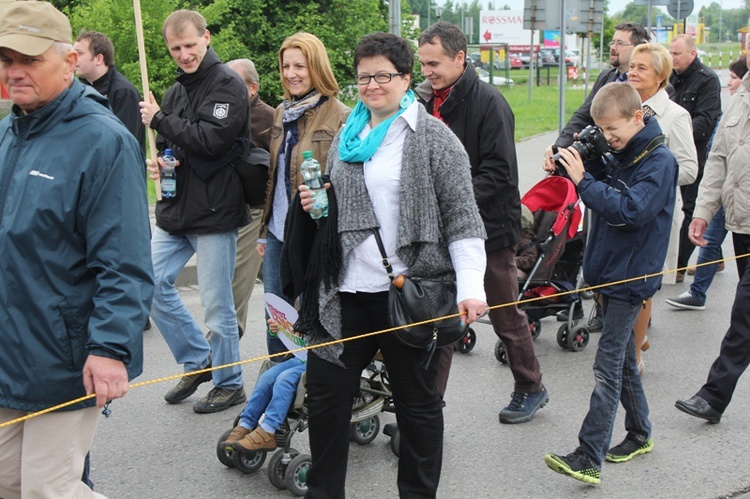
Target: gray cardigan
x: 436, y: 207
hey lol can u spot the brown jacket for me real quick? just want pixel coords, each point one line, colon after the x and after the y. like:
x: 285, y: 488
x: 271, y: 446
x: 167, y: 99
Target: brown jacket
x: 316, y: 129
x: 261, y: 121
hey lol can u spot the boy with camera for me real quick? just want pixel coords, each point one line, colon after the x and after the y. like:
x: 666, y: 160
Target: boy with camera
x: 631, y: 191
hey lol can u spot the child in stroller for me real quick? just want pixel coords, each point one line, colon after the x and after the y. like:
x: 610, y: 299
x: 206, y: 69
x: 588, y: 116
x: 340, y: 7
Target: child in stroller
x: 280, y: 392
x: 272, y: 396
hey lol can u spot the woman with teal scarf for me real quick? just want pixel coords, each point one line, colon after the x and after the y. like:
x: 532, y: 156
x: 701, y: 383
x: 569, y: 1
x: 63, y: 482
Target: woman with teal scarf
x: 396, y: 170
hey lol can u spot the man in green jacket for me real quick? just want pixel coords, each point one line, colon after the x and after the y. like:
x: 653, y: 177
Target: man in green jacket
x: 75, y: 272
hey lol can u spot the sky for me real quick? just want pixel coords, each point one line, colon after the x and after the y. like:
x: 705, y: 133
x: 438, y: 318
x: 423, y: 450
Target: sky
x: 619, y: 5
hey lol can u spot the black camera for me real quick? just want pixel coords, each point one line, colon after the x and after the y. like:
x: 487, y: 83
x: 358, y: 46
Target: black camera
x: 590, y: 144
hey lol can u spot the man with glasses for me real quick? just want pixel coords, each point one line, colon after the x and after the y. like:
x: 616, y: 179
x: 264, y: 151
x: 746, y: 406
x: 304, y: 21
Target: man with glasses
x: 627, y: 36
x: 481, y: 118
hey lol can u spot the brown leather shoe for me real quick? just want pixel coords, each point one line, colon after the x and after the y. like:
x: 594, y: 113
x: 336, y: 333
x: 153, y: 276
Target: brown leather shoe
x: 691, y: 270
x: 720, y: 267
x: 257, y: 440
x: 680, y: 276
x: 238, y: 433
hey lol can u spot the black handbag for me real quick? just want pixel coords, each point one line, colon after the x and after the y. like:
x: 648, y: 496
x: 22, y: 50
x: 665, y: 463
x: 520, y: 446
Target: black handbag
x: 252, y: 168
x: 413, y: 299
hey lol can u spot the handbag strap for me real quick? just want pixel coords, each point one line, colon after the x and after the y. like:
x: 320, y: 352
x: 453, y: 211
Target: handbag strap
x: 386, y: 261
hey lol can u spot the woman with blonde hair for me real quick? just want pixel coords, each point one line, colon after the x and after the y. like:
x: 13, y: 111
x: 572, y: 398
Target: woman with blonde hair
x: 306, y: 120
x: 650, y: 67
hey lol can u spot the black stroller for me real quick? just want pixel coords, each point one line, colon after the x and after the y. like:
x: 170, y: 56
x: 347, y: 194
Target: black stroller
x: 560, y: 241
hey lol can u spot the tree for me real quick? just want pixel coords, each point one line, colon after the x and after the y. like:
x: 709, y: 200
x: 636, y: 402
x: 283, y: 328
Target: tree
x: 115, y: 18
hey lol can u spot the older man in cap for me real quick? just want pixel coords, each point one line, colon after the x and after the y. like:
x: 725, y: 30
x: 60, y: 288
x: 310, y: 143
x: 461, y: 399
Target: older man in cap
x: 75, y: 272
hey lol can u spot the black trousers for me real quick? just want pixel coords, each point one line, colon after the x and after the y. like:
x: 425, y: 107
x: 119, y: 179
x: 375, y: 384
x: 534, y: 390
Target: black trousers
x: 331, y: 389
x: 734, y: 356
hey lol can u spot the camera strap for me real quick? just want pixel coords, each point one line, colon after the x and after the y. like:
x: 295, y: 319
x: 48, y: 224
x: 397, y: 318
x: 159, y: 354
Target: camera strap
x: 657, y: 141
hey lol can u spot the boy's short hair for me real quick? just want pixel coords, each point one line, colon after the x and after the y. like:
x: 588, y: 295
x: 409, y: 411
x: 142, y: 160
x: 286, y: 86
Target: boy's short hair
x: 616, y: 98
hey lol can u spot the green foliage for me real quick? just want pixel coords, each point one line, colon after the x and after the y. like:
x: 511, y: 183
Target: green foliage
x: 239, y: 28
x: 116, y: 19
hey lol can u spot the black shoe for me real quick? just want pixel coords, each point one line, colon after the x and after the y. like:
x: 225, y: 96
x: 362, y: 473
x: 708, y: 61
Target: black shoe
x: 596, y: 323
x: 147, y: 327
x: 577, y: 465
x: 186, y: 387
x: 523, y: 406
x: 562, y: 315
x: 698, y: 407
x: 219, y: 399
x: 629, y: 448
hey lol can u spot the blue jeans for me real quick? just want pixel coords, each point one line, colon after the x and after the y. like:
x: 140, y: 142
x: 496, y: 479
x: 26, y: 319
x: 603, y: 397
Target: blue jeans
x: 272, y: 284
x: 186, y: 340
x: 273, y: 394
x: 617, y: 379
x: 704, y: 276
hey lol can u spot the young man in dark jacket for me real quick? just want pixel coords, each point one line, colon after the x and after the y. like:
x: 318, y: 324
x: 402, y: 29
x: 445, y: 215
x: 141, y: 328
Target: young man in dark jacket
x: 697, y: 89
x: 205, y: 120
x: 632, y: 196
x: 481, y: 118
x: 96, y: 67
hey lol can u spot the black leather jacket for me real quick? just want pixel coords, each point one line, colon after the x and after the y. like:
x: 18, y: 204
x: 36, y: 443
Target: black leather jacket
x: 698, y: 90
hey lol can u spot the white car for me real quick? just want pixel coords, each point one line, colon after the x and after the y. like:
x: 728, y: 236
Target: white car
x: 498, y: 81
x: 574, y: 56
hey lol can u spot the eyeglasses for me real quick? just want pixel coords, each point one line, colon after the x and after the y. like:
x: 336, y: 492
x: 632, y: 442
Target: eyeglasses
x: 619, y: 43
x: 379, y: 78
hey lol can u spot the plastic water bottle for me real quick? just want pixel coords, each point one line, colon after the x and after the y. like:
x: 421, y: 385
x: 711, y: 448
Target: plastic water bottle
x: 312, y: 175
x: 168, y: 176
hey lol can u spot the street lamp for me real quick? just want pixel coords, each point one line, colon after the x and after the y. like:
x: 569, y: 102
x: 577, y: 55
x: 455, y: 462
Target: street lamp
x: 438, y: 11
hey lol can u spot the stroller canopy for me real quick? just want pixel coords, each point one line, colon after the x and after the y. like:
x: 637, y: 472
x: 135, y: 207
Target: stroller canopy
x: 556, y: 194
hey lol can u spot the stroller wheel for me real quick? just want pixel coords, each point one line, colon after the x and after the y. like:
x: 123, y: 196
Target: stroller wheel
x: 536, y: 328
x: 224, y: 452
x: 363, y: 432
x: 578, y: 338
x: 277, y: 468
x: 500, y: 353
x: 248, y: 462
x: 466, y: 344
x: 296, y: 474
x: 562, y: 336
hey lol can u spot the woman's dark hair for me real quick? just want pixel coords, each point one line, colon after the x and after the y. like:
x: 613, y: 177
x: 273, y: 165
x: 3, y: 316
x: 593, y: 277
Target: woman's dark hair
x: 394, y: 48
x: 739, y: 67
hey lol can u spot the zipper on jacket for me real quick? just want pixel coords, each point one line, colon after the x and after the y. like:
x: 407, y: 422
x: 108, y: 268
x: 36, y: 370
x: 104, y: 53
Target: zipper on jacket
x: 11, y: 165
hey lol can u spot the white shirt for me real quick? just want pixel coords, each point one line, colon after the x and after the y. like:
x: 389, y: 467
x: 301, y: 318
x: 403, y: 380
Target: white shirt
x: 364, y: 270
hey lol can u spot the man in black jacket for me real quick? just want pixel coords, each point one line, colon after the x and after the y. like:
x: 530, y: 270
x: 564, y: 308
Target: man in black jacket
x: 205, y: 120
x: 96, y: 67
x: 625, y: 38
x: 697, y: 89
x: 481, y: 118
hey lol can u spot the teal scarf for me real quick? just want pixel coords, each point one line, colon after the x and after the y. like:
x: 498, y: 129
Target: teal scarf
x: 352, y: 149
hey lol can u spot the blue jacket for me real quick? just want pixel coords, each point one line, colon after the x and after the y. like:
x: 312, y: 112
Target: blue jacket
x: 633, y: 206
x: 75, y: 266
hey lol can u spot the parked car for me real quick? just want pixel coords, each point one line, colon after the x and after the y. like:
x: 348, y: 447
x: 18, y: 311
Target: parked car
x: 498, y: 81
x: 549, y: 56
x: 574, y: 56
x: 497, y: 63
x: 524, y: 57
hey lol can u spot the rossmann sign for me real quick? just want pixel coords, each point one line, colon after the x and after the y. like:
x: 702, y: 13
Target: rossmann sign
x: 504, y: 26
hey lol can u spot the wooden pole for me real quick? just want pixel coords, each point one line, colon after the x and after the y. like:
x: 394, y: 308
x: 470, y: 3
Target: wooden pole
x: 144, y: 84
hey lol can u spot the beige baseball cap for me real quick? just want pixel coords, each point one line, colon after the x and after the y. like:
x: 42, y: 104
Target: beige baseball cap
x: 30, y: 28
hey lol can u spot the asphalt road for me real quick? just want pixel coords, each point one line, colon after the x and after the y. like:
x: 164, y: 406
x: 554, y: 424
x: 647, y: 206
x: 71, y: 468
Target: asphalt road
x: 148, y: 449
